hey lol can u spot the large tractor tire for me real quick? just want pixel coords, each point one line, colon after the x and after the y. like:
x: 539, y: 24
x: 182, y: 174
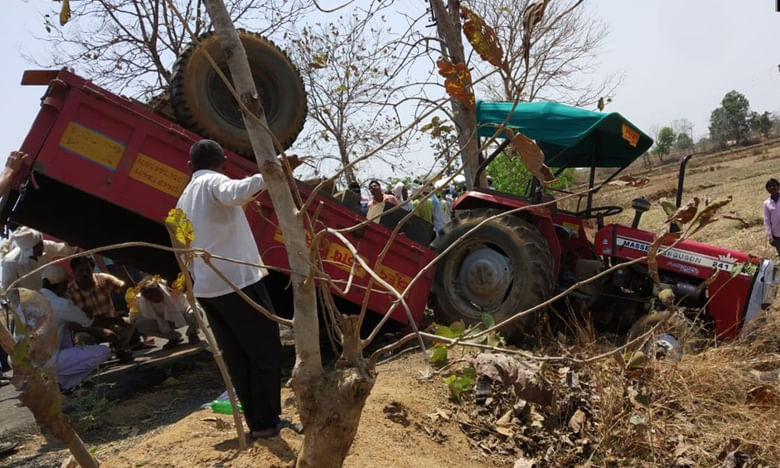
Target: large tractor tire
x: 502, y: 268
x: 203, y: 104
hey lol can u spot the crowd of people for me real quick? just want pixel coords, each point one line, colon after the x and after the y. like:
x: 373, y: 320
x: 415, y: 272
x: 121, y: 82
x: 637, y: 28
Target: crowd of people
x: 88, y: 307
x: 422, y: 198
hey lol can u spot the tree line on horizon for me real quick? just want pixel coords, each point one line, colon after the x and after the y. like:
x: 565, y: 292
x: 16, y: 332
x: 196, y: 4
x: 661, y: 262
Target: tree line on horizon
x: 731, y: 123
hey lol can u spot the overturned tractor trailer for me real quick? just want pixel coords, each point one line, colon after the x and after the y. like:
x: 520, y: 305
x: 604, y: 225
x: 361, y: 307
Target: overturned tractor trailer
x: 107, y: 169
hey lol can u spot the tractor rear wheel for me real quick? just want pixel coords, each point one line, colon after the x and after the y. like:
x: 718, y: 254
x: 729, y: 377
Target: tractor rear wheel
x: 203, y: 104
x: 501, y: 268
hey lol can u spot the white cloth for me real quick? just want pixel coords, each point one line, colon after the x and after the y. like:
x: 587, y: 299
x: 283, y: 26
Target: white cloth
x: 439, y: 217
x: 72, y: 363
x: 212, y: 201
x: 171, y: 309
x: 18, y: 263
x: 398, y: 192
x: 65, y: 312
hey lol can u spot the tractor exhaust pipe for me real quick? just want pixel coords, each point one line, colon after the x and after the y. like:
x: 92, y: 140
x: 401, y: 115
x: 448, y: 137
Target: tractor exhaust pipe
x: 681, y: 179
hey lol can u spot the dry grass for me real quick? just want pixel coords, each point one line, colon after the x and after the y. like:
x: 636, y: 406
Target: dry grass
x: 694, y: 412
x: 739, y: 174
x: 720, y: 403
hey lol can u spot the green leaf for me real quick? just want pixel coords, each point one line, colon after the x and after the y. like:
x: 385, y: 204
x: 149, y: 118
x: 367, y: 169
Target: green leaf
x: 487, y: 321
x: 459, y: 385
x: 439, y: 355
x: 453, y: 331
x: 495, y: 339
x: 458, y: 327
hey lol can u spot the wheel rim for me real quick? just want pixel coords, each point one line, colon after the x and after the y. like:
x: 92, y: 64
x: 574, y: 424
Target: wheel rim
x: 223, y: 103
x: 484, y: 277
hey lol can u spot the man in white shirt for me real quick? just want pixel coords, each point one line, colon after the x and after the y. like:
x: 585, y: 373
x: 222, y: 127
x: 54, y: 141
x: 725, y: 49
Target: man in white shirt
x: 72, y: 363
x: 249, y: 341
x: 29, y: 251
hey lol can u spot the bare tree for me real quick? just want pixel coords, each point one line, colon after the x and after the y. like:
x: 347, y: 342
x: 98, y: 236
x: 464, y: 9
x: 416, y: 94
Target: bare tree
x: 561, y: 50
x: 130, y: 45
x: 448, y: 28
x: 355, y: 71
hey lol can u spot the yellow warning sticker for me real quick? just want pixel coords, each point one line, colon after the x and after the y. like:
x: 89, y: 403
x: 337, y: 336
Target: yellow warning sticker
x: 161, y: 176
x: 397, y: 280
x: 630, y: 136
x: 342, y: 258
x: 92, y: 145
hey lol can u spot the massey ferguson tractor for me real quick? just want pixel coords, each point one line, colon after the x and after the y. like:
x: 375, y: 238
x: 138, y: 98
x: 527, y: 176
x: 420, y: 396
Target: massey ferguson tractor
x: 513, y: 262
x: 106, y: 170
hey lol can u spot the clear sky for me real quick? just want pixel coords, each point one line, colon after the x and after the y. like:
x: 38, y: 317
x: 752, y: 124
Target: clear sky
x: 677, y: 57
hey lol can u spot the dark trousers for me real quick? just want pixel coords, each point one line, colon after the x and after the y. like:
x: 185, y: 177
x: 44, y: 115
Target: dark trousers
x: 776, y: 244
x: 252, y: 351
x: 4, y: 367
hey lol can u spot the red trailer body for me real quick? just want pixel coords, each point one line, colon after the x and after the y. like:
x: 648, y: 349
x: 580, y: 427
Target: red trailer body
x: 106, y: 169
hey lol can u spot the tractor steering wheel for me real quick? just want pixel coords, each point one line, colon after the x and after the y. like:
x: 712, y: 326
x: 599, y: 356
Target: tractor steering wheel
x: 600, y: 211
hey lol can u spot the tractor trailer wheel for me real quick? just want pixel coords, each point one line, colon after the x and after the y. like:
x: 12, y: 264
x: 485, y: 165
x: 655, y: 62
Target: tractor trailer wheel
x: 501, y: 268
x: 202, y: 103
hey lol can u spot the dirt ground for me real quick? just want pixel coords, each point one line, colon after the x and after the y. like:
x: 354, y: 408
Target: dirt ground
x: 165, y: 428
x: 408, y: 421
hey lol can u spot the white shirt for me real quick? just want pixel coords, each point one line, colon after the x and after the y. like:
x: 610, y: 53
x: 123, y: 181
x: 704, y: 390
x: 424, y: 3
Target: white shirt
x: 65, y: 312
x: 15, y: 264
x: 171, y: 309
x: 438, y: 214
x: 213, y: 202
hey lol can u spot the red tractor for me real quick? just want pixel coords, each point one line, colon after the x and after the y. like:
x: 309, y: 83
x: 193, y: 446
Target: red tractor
x: 513, y: 262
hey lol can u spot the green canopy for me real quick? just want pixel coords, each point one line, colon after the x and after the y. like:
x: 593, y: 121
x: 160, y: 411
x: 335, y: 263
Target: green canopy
x: 569, y: 136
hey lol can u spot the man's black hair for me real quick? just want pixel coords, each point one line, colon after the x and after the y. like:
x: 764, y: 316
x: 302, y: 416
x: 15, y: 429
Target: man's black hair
x: 772, y: 181
x: 206, y: 154
x: 150, y: 286
x: 75, y: 262
x: 374, y: 181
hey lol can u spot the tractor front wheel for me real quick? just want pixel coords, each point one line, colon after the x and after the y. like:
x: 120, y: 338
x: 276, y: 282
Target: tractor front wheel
x: 501, y: 268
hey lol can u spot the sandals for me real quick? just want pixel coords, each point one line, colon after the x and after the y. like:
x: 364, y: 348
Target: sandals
x: 272, y: 432
x: 172, y: 343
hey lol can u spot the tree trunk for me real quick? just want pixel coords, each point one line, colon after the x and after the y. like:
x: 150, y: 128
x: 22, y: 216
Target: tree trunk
x: 329, y: 404
x: 448, y: 27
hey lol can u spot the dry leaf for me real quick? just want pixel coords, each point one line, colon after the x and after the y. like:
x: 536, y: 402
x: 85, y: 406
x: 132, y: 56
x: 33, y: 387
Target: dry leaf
x: 482, y: 37
x: 652, y: 252
x: 685, y: 213
x: 707, y: 215
x: 457, y: 81
x: 34, y: 371
x: 577, y: 421
x: 629, y: 181
x: 532, y: 157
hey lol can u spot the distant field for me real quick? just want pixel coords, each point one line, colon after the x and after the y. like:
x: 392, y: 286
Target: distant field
x: 740, y: 173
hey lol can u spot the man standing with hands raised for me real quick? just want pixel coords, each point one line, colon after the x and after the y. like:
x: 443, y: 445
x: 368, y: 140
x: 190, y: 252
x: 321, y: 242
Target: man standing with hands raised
x: 249, y: 341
